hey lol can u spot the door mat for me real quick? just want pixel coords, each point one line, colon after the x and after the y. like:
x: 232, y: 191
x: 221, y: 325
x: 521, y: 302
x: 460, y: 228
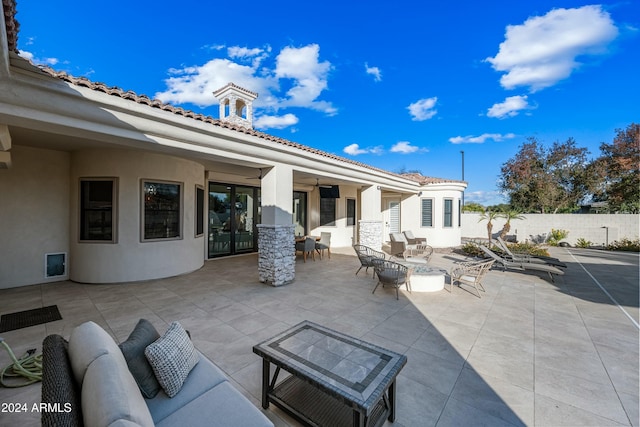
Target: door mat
x: 24, y: 319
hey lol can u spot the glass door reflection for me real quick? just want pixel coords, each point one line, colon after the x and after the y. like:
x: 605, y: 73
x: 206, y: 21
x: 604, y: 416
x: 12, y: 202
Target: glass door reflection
x: 219, y: 220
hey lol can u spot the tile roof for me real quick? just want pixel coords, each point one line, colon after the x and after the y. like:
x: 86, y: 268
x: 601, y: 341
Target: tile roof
x: 425, y: 180
x: 12, y: 29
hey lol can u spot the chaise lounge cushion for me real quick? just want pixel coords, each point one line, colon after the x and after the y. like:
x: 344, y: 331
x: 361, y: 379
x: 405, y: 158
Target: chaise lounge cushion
x: 172, y: 357
x: 133, y: 348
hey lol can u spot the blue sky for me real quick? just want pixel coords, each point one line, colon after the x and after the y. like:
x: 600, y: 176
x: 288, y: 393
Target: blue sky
x: 403, y: 85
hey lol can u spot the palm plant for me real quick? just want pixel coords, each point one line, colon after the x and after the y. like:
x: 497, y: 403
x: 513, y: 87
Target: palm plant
x: 490, y: 217
x: 509, y: 215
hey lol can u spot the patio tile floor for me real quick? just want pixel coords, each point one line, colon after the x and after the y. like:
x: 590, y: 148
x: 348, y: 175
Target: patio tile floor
x: 530, y: 352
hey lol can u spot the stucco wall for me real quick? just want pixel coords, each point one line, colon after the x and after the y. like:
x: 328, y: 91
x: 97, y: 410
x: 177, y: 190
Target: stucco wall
x: 130, y: 259
x: 437, y: 236
x: 586, y: 226
x: 34, y: 214
x: 341, y: 234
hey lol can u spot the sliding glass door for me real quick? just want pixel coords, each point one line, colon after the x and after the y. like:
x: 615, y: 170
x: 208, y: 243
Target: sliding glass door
x: 234, y: 211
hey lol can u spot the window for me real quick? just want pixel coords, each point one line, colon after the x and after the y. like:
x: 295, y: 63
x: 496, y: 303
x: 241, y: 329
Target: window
x: 162, y: 210
x: 351, y: 212
x: 97, y: 222
x: 459, y: 213
x: 448, y: 212
x: 199, y: 210
x: 427, y: 212
x: 327, y: 212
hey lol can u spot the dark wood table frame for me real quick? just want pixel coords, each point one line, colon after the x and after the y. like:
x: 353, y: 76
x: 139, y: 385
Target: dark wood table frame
x: 335, y: 380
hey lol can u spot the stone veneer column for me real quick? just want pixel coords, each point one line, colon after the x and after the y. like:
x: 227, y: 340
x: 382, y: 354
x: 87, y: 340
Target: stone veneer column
x: 277, y: 255
x: 370, y: 233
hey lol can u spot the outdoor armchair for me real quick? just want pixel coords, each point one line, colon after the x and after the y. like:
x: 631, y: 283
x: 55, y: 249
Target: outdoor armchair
x: 391, y: 273
x: 408, y: 234
x: 525, y: 266
x: 401, y: 248
x: 366, y: 255
x: 307, y: 246
x: 470, y: 273
x: 324, y: 244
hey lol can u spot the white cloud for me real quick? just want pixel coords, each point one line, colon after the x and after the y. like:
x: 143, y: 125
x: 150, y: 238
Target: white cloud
x: 295, y: 78
x: 38, y: 61
x: 275, y: 122
x: 543, y: 50
x: 509, y: 108
x: 308, y: 74
x: 424, y: 109
x: 481, y: 139
x: 405, y: 147
x: 354, y: 150
x: 484, y: 197
x: 374, y: 71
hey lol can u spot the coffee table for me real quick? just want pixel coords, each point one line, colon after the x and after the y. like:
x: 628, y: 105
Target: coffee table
x: 335, y: 379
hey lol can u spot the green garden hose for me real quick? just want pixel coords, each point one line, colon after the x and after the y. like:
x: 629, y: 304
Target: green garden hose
x: 28, y: 368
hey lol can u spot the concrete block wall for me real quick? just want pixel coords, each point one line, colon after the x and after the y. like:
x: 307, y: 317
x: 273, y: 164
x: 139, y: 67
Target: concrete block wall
x: 596, y: 228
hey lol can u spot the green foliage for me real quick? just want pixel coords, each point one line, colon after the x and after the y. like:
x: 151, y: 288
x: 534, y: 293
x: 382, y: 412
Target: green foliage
x: 625, y: 245
x: 556, y: 236
x: 526, y: 248
x: 473, y: 207
x: 583, y: 243
x: 489, y: 216
x: 472, y: 249
x: 509, y: 215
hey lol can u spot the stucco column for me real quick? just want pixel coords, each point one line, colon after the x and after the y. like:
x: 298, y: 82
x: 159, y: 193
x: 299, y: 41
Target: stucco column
x: 276, y: 247
x: 370, y: 224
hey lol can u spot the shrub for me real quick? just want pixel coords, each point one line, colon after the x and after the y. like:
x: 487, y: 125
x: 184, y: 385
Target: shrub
x: 472, y: 249
x: 625, y: 245
x: 526, y: 248
x: 582, y: 243
x: 556, y: 236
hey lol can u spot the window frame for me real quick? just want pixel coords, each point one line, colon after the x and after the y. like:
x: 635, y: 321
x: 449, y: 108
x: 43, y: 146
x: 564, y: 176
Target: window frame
x: 422, y: 200
x: 114, y: 209
x: 199, y: 214
x: 353, y: 217
x: 446, y: 214
x: 180, y: 210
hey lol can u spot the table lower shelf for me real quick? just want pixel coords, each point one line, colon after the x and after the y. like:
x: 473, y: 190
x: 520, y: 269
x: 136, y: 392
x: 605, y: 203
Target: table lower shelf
x: 316, y: 408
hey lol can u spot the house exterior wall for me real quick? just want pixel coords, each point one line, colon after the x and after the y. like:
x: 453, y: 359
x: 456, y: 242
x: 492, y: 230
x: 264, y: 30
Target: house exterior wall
x: 342, y: 235
x: 437, y: 236
x: 34, y: 214
x: 130, y: 259
x: 586, y: 226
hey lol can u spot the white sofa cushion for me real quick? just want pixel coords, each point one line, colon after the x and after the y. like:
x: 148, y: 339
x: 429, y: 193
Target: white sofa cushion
x: 110, y: 395
x: 86, y: 343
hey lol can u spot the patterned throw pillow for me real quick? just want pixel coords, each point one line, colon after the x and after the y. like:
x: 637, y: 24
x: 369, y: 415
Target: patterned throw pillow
x: 172, y: 357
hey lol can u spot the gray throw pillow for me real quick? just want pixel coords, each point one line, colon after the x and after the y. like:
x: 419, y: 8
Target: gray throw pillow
x: 133, y: 350
x: 172, y: 357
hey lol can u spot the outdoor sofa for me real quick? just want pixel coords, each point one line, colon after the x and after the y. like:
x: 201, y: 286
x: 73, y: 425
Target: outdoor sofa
x: 90, y: 382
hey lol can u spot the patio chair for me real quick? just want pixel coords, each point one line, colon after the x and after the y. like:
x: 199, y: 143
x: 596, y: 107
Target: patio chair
x: 366, y: 255
x: 308, y: 245
x: 525, y: 266
x: 400, y: 246
x: 408, y: 234
x: 529, y: 258
x: 470, y: 273
x: 324, y: 244
x: 391, y: 273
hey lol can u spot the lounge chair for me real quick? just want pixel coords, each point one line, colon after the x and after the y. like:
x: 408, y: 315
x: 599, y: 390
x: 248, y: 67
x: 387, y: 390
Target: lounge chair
x: 366, y: 255
x: 529, y: 258
x: 525, y: 266
x: 414, y: 240
x: 470, y: 273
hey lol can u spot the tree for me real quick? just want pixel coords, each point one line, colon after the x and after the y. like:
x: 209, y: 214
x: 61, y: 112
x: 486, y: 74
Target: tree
x: 489, y: 216
x: 546, y: 180
x: 620, y: 161
x: 509, y: 215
